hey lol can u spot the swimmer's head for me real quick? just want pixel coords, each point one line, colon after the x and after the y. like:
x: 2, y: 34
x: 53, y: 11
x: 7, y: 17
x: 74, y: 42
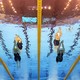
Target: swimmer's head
x: 58, y: 34
x: 17, y: 38
x: 20, y: 41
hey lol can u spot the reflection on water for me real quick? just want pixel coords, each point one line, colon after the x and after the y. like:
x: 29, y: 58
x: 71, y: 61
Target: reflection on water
x: 47, y: 71
x: 4, y: 45
x: 30, y: 74
x: 50, y: 41
x: 75, y: 42
x: 27, y: 41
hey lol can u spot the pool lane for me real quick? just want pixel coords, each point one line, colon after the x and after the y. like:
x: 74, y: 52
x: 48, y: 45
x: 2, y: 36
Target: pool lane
x: 49, y: 68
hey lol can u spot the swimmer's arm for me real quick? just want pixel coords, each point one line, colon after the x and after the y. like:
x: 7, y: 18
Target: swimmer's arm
x: 63, y: 47
x: 14, y: 42
x: 58, y: 48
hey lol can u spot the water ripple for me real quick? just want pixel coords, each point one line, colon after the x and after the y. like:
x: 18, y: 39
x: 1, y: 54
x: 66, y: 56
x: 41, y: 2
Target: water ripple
x: 50, y: 41
x: 75, y: 42
x: 27, y: 41
x: 4, y: 45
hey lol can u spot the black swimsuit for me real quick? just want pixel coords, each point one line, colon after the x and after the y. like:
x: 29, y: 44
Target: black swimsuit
x: 59, y: 57
x: 17, y: 57
x: 56, y: 42
x: 19, y: 45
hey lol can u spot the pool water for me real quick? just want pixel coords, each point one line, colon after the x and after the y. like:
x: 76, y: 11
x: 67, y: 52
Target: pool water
x: 50, y: 69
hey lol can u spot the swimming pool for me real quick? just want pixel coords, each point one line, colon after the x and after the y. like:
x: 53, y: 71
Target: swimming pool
x: 50, y: 70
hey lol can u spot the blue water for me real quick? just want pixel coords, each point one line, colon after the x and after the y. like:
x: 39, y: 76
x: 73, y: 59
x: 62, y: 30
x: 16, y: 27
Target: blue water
x: 50, y: 70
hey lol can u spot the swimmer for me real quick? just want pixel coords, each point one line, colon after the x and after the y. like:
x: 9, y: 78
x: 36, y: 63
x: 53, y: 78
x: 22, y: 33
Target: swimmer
x: 57, y: 39
x: 60, y: 52
x: 17, y: 49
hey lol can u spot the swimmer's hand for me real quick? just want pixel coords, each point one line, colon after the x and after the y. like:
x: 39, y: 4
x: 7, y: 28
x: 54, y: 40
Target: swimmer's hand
x: 62, y: 41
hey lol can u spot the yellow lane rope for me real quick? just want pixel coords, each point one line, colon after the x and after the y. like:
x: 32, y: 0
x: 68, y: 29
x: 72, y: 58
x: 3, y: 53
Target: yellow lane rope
x: 6, y: 68
x: 72, y: 67
x: 39, y: 22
